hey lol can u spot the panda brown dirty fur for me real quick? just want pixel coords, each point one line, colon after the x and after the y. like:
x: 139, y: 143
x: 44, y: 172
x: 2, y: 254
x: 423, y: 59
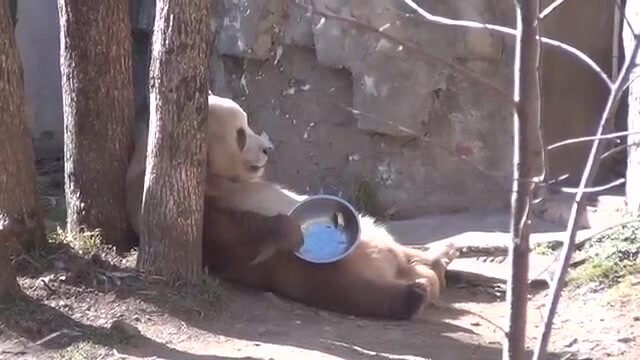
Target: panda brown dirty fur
x: 232, y: 239
x: 244, y: 218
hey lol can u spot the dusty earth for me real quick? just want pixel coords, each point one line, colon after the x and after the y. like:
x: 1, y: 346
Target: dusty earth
x: 98, y: 307
x: 84, y: 302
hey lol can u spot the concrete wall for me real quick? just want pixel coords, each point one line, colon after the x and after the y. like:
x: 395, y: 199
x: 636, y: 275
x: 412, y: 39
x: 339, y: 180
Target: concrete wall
x: 573, y: 95
x: 348, y: 109
x: 37, y: 33
x: 353, y: 114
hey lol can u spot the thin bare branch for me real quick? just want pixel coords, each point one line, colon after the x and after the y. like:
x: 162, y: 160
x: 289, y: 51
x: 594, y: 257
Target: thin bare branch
x: 618, y: 148
x: 592, y: 189
x: 624, y: 16
x: 549, y: 9
x: 578, y: 205
x: 607, y: 154
x: 505, y: 30
x: 589, y: 138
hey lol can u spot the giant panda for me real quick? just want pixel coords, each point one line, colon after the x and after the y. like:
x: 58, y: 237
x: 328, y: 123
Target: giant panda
x: 249, y: 239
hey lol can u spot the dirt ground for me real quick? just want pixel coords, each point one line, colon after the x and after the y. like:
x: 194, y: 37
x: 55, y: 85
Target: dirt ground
x: 82, y: 306
x: 79, y: 307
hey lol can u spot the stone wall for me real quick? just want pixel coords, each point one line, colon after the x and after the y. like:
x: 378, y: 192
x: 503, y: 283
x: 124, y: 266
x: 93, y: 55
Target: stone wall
x: 348, y: 109
x: 385, y: 126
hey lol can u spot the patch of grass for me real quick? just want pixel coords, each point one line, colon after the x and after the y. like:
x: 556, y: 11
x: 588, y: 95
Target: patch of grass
x: 206, y: 295
x: 365, y: 197
x: 628, y: 287
x: 611, y: 256
x: 83, y: 350
x: 543, y: 249
x: 210, y: 288
x: 97, y: 345
x: 87, y: 242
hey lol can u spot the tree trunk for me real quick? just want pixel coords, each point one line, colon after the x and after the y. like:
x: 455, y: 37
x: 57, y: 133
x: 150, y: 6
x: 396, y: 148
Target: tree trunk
x: 172, y: 205
x: 632, y: 13
x: 18, y: 196
x: 21, y: 226
x: 526, y: 121
x: 9, y: 230
x: 8, y: 283
x: 97, y: 88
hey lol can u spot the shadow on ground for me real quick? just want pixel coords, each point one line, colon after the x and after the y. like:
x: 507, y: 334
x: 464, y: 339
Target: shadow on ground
x: 258, y: 321
x: 47, y: 328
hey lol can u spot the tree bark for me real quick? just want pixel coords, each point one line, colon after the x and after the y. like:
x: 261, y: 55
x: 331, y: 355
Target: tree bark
x: 632, y: 13
x: 8, y: 283
x: 18, y: 195
x: 9, y: 245
x: 172, y: 205
x: 21, y: 225
x: 97, y: 88
x: 526, y: 122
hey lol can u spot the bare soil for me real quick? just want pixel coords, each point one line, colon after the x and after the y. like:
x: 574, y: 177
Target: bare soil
x: 98, y: 307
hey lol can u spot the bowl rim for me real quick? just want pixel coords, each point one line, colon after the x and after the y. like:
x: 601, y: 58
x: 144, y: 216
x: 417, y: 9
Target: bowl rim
x: 358, y: 228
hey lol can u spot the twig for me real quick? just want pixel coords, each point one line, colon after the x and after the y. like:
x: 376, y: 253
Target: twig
x: 624, y: 15
x: 549, y: 9
x: 619, y: 148
x: 505, y: 30
x: 578, y: 205
x: 593, y: 189
x: 589, y: 138
x: 604, y: 156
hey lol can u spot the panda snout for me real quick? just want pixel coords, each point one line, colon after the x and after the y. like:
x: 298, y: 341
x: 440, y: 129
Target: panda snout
x: 267, y: 149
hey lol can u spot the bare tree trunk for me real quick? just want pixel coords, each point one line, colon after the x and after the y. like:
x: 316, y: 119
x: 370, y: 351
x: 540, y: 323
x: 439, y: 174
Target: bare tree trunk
x: 632, y: 13
x: 19, y: 203
x: 10, y: 231
x: 97, y: 88
x: 526, y: 120
x: 21, y: 225
x: 8, y: 283
x: 172, y: 205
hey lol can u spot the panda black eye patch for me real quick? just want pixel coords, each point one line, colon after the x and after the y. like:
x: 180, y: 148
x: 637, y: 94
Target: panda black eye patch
x: 241, y: 138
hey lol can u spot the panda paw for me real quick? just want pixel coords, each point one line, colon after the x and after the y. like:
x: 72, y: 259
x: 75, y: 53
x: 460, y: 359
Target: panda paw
x: 287, y: 234
x: 415, y: 296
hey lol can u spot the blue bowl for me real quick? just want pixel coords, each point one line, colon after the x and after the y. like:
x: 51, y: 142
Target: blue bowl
x: 330, y: 227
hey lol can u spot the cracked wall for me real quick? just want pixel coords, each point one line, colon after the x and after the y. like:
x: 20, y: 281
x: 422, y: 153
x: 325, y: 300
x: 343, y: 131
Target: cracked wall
x: 347, y: 108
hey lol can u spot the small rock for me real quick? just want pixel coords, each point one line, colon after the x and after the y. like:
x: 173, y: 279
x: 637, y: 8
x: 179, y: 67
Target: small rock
x: 475, y: 323
x: 124, y: 327
x: 626, y: 339
x: 571, y: 343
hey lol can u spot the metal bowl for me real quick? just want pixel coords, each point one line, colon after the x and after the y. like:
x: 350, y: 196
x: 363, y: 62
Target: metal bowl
x: 330, y: 227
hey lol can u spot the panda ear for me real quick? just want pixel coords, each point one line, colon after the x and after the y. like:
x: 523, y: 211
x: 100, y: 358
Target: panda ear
x: 241, y: 138
x: 265, y: 137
